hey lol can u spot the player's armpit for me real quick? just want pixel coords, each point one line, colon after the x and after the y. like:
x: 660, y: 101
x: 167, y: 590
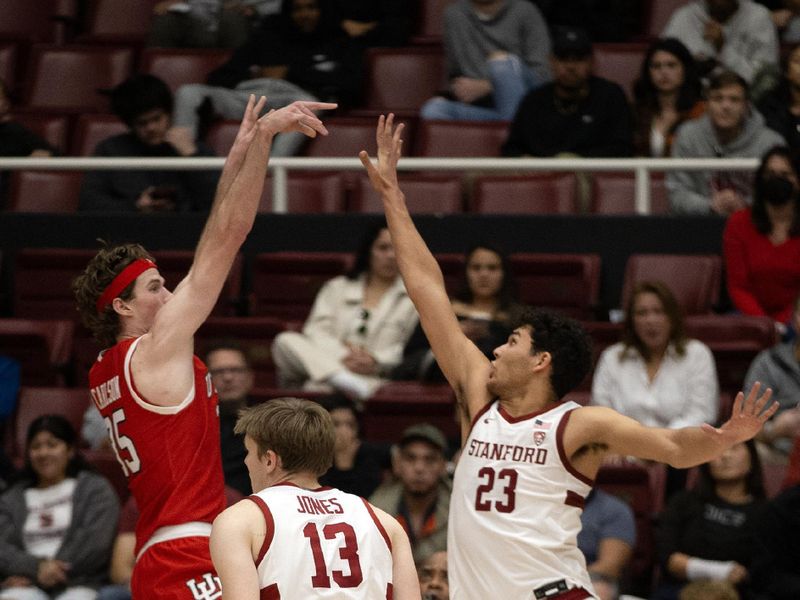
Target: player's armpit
x: 405, y: 583
x: 231, y: 550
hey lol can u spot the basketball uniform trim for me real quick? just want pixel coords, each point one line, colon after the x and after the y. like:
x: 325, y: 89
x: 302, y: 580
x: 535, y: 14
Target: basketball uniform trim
x: 511, y: 419
x: 271, y: 592
x: 162, y: 410
x: 479, y: 414
x: 562, y: 453
x: 378, y: 524
x: 270, y: 524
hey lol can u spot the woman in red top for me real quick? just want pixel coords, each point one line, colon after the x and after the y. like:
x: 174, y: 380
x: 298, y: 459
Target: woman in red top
x: 762, y: 243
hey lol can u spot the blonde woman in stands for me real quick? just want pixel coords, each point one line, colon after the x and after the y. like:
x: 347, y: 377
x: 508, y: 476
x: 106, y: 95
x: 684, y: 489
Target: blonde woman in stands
x: 57, y: 525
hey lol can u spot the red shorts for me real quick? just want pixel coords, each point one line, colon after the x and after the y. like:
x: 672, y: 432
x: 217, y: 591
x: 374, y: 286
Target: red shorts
x: 176, y: 570
x: 574, y: 594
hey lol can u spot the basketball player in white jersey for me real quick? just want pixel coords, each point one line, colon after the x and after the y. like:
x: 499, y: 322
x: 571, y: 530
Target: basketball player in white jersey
x: 293, y: 539
x: 528, y: 459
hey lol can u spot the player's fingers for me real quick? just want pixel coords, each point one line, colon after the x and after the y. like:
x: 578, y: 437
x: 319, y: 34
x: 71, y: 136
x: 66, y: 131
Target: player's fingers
x: 259, y: 106
x: 737, y: 404
x: 366, y: 161
x: 749, y: 402
x: 312, y: 106
x: 710, y: 429
x: 767, y: 414
x: 762, y: 401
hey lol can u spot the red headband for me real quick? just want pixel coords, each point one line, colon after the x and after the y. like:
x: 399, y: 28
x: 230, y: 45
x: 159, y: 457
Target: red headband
x: 125, y: 277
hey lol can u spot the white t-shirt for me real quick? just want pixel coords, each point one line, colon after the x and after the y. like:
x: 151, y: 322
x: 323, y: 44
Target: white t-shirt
x: 49, y: 517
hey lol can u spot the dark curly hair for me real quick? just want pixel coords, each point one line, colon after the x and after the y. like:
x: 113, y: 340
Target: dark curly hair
x: 89, y: 285
x: 567, y: 342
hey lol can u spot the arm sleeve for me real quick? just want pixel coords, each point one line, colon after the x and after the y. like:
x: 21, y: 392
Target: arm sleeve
x: 516, y: 143
x: 683, y: 195
x: 735, y: 250
x: 255, y: 51
x: 703, y: 402
x: 761, y: 49
x: 670, y: 529
x: 93, y: 429
x: 13, y: 559
x: 619, y: 523
x: 536, y: 43
x: 320, y: 323
x: 97, y: 191
x: 617, y: 139
x: 604, y: 386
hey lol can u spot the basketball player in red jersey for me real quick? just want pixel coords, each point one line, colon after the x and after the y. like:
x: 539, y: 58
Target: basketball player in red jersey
x: 155, y: 396
x: 528, y: 458
x: 295, y: 540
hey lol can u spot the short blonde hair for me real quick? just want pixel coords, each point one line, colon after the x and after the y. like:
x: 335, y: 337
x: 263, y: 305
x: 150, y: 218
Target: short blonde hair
x: 299, y: 431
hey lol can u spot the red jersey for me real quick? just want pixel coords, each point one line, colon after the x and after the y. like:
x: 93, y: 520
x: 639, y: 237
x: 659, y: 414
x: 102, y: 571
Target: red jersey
x: 170, y: 454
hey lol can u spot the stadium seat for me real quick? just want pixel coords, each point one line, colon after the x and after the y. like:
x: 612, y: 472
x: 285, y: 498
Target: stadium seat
x: 552, y: 193
x: 220, y: 136
x: 569, y: 283
x: 91, y: 129
x: 615, y: 193
x: 424, y: 66
x: 118, y: 21
x: 52, y: 128
x: 284, y: 284
x: 460, y: 138
x: 631, y: 483
x: 734, y: 340
x: 452, y: 266
x: 400, y: 404
x: 31, y: 21
x: 424, y: 194
x: 603, y: 334
x: 70, y: 78
x: 310, y: 192
x: 177, y: 67
x: 693, y: 279
x: 658, y: 15
x: 43, y: 277
x: 44, y: 191
x: 258, y: 395
x: 8, y: 64
x: 430, y: 21
x: 349, y: 135
x: 255, y: 334
x: 37, y: 401
x: 42, y: 347
x: 619, y: 63
x: 107, y: 465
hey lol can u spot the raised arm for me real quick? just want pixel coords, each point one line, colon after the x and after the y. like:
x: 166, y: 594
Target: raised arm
x: 465, y: 367
x: 231, y: 545
x: 163, y: 353
x: 682, y: 448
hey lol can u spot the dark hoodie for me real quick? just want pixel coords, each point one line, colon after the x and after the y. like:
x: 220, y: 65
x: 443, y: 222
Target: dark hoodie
x: 323, y: 62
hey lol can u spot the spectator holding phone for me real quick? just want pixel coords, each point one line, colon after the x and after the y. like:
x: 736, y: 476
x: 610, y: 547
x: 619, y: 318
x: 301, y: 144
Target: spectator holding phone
x: 144, y: 103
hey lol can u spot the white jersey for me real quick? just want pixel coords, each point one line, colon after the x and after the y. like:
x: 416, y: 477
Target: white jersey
x: 515, y: 511
x: 321, y: 543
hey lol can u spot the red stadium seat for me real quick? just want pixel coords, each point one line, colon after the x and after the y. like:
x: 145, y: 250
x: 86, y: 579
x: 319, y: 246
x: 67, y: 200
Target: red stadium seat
x: 659, y: 14
x: 31, y: 21
x: 37, y: 401
x: 91, y: 129
x: 525, y: 194
x: 44, y: 191
x: 312, y: 192
x: 284, y: 284
x: 118, y: 21
x: 430, y: 21
x: 255, y: 334
x: 69, y: 78
x: 43, y: 348
x: 400, y: 404
x: 603, y: 335
x: 460, y: 138
x: 424, y: 194
x: 387, y: 66
x: 107, y: 465
x: 177, y: 67
x: 569, y: 283
x: 220, y: 136
x: 619, y: 63
x: 8, y: 64
x: 52, y: 128
x: 349, y: 135
x: 615, y: 193
x: 693, y: 279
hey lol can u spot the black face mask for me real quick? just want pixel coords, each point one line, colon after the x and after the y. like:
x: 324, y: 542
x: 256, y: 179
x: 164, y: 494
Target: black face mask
x: 777, y: 190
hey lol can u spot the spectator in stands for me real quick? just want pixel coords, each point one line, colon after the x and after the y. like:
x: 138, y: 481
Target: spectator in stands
x: 708, y: 532
x: 357, y: 328
x: 375, y: 22
x: 10, y: 373
x: 301, y: 54
x: 8, y: 473
x: 15, y: 138
x: 358, y: 466
x: 577, y: 113
x: 761, y: 244
x: 604, y: 20
x: 667, y: 93
x: 709, y: 590
x: 144, y: 104
x: 495, y: 51
x: 776, y: 552
x: 779, y: 368
x: 420, y: 498
x: 786, y: 17
x: 781, y: 106
x: 485, y: 305
x: 232, y: 377
x: 57, y: 524
x: 738, y: 35
x: 433, y: 577
x: 730, y: 128
x: 657, y: 375
x: 123, y: 556
x: 206, y: 23
x: 606, y: 539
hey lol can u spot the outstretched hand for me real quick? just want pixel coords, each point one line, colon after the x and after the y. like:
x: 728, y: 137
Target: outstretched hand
x: 747, y: 418
x: 390, y: 145
x: 297, y: 116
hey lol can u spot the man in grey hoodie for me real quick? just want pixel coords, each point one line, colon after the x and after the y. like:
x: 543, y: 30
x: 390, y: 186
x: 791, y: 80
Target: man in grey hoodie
x: 730, y: 128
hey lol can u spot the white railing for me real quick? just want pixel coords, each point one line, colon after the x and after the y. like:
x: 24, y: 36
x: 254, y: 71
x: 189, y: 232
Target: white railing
x: 641, y: 167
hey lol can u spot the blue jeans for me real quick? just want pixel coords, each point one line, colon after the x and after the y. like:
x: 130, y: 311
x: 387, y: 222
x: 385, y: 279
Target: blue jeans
x: 511, y: 80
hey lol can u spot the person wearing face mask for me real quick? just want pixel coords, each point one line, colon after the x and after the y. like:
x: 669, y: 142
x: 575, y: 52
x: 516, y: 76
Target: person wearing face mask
x: 761, y: 244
